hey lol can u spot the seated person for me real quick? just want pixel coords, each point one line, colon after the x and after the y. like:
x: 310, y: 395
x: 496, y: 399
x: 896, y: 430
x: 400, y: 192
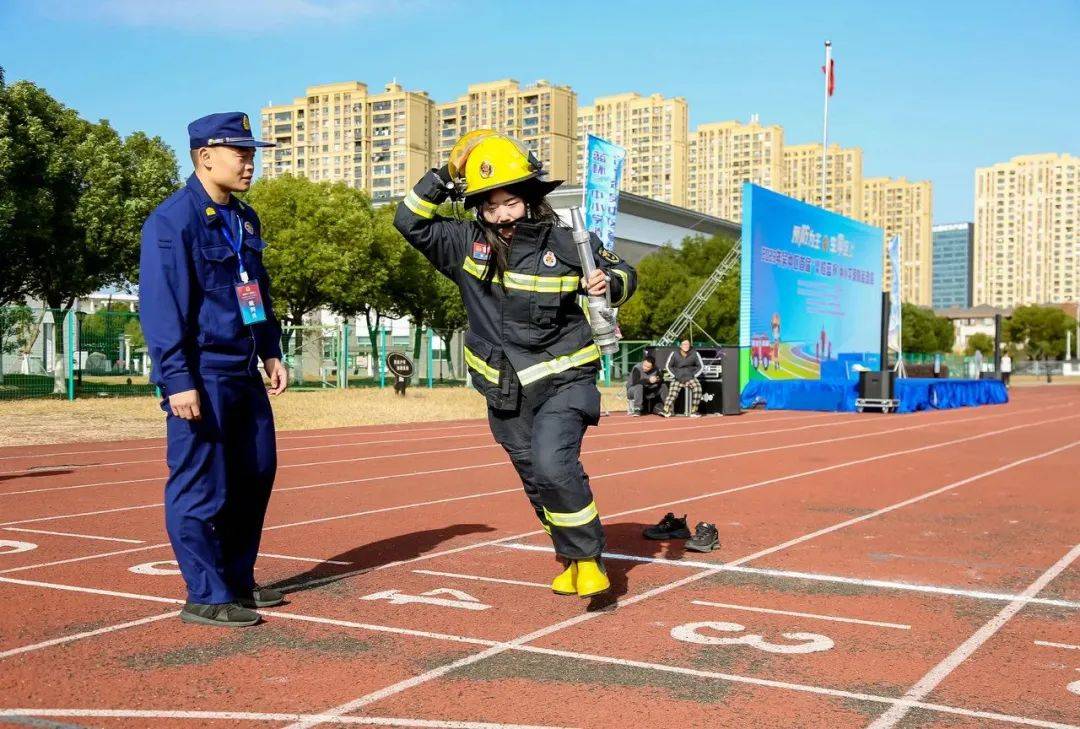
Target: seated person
x: 645, y: 390
x: 683, y: 367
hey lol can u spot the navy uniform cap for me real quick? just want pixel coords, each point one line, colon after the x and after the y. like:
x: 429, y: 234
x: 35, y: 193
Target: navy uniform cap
x: 230, y: 129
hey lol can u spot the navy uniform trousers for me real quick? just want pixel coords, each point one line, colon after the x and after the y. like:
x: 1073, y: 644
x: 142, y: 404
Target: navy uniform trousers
x: 221, y: 471
x: 543, y: 440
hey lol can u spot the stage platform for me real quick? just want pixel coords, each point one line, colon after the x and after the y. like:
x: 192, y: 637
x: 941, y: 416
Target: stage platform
x: 913, y: 393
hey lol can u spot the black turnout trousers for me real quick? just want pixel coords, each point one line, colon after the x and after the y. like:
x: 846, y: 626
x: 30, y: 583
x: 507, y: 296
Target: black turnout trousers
x: 543, y: 439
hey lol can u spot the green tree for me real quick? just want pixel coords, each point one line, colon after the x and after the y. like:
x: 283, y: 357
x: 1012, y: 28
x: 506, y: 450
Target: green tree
x: 412, y: 286
x: 14, y: 274
x: 449, y: 317
x: 668, y: 278
x: 366, y: 291
x: 980, y: 342
x: 75, y: 198
x: 318, y: 235
x: 1039, y: 330
x: 924, y: 332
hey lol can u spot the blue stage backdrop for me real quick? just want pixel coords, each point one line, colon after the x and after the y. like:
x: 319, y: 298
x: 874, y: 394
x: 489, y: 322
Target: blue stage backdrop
x: 810, y: 303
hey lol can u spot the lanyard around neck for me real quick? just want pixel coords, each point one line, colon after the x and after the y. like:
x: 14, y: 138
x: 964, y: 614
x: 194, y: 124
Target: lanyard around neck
x: 236, y: 243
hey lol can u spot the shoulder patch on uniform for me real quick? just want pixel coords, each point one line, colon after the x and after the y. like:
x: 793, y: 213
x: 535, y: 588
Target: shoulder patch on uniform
x: 549, y: 259
x: 210, y: 212
x: 609, y: 256
x: 249, y: 227
x: 481, y: 251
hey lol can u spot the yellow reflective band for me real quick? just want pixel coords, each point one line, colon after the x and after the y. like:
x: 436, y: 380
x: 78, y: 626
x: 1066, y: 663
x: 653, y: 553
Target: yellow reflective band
x: 482, y: 368
x: 576, y: 519
x: 419, y: 206
x: 547, y: 528
x: 625, y: 286
x: 538, y: 372
x: 526, y: 282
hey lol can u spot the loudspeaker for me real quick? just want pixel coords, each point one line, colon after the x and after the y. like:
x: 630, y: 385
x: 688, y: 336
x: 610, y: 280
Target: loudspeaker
x: 729, y: 382
x: 876, y: 385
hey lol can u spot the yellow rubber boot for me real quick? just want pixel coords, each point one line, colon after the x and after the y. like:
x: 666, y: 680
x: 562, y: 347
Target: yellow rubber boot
x: 591, y: 578
x: 566, y: 582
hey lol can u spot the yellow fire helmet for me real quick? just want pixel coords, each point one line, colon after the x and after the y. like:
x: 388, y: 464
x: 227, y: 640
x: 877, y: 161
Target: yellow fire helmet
x: 496, y: 160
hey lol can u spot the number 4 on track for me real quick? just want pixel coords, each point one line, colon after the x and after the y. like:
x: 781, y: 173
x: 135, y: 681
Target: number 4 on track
x: 10, y: 546
x: 455, y: 598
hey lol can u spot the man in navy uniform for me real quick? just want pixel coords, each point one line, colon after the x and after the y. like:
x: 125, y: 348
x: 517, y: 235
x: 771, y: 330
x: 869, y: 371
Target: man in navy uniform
x: 204, y: 300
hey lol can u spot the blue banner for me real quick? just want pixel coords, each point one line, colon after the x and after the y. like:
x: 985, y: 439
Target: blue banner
x: 810, y: 300
x: 603, y: 173
x: 895, y: 339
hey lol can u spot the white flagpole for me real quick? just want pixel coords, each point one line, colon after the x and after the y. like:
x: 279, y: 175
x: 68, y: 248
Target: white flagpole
x: 825, y: 132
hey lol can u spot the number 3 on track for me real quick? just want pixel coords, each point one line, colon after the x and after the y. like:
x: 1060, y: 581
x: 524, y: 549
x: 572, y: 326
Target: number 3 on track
x: 803, y: 642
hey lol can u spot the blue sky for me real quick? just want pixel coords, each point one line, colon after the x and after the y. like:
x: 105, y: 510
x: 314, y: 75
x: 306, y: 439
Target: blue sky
x: 929, y: 90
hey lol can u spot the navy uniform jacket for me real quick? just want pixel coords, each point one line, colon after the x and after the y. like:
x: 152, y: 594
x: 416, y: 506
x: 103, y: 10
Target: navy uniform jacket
x: 187, y: 300
x: 534, y: 334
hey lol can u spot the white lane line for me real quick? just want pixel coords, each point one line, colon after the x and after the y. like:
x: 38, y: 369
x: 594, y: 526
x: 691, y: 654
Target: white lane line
x: 256, y: 716
x: 314, y: 560
x: 664, y: 466
x: 404, y: 685
x: 87, y: 634
x: 770, y: 683
x: 91, y: 590
x: 386, y: 456
x: 913, y: 500
x: 941, y: 671
x: 481, y: 578
x: 380, y: 628
x: 814, y: 616
x: 72, y: 534
x: 1067, y: 646
x: 937, y: 422
x: 734, y: 678
x: 636, y: 430
x: 522, y: 535
x: 815, y: 577
x: 482, y: 426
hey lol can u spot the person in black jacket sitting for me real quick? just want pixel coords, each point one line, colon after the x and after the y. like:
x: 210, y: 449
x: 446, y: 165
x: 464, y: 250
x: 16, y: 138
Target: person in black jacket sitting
x: 645, y: 390
x: 683, y: 367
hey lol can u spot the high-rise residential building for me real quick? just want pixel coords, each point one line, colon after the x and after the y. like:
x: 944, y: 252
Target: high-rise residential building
x: 724, y: 155
x: 542, y: 116
x: 843, y: 181
x: 1027, y: 231
x: 904, y: 208
x: 654, y: 131
x: 381, y: 143
x: 953, y: 245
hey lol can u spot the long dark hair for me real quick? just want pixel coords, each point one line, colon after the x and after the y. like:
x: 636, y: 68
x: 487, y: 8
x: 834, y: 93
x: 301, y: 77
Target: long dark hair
x: 537, y: 210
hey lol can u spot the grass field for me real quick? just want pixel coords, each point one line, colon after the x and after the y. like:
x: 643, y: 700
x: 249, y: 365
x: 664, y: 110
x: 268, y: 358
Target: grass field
x: 34, y: 422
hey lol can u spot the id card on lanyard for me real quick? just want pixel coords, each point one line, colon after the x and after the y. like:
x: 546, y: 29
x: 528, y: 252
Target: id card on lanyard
x: 248, y: 295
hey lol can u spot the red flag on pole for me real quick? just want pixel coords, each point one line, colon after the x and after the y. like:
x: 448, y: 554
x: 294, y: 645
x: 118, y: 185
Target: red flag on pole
x: 830, y: 76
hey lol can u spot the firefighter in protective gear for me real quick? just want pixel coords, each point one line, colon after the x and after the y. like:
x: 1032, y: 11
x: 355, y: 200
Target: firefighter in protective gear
x: 529, y: 348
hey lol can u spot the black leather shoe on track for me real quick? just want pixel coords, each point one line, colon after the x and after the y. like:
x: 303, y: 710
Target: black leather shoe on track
x: 261, y: 597
x: 705, y: 538
x: 224, y: 615
x: 668, y: 528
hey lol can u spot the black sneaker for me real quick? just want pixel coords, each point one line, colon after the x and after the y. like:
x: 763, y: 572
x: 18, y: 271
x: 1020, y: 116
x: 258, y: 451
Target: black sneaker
x: 261, y: 597
x: 223, y: 615
x: 705, y: 538
x: 668, y: 528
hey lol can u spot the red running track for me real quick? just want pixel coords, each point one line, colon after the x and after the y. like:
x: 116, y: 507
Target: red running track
x: 874, y: 571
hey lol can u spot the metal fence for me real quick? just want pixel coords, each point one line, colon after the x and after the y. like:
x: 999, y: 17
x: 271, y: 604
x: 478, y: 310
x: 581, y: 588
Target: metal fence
x: 69, y: 354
